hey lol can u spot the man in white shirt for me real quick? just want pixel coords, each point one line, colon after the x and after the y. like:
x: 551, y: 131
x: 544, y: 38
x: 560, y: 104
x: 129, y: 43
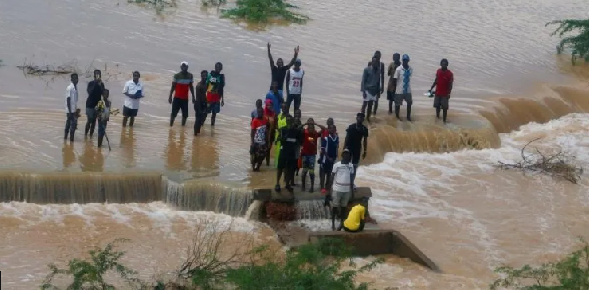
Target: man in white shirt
x: 294, y: 82
x: 402, y: 78
x: 342, y: 187
x: 71, y: 107
x: 134, y: 90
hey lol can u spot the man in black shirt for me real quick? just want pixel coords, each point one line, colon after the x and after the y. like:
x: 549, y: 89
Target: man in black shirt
x: 354, y: 135
x: 291, y: 138
x: 95, y: 89
x: 278, y: 72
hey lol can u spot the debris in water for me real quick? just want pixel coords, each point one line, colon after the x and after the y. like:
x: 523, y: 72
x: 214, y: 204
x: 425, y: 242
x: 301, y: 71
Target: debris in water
x: 556, y: 165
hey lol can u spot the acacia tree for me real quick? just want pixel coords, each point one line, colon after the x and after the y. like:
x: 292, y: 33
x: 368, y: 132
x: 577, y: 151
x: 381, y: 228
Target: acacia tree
x: 580, y: 43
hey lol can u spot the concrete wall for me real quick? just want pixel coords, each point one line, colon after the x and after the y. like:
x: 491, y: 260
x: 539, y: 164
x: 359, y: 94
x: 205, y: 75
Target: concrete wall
x: 374, y: 242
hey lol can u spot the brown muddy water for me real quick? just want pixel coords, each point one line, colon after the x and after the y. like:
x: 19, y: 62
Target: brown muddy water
x: 434, y: 183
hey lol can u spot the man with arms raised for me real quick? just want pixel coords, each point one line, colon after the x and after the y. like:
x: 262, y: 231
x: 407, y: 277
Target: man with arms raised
x: 278, y: 72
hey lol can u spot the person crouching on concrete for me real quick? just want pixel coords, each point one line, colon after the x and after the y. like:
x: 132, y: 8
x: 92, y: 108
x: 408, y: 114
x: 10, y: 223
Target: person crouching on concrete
x: 356, y: 217
x: 343, y: 181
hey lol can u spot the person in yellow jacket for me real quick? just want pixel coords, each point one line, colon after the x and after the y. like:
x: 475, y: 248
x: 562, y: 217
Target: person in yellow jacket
x: 281, y: 121
x: 356, y: 218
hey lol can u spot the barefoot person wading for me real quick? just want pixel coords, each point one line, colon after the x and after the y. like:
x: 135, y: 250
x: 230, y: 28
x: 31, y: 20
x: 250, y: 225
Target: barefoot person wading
x: 134, y: 91
x: 444, y: 80
x: 183, y: 82
x: 370, y: 86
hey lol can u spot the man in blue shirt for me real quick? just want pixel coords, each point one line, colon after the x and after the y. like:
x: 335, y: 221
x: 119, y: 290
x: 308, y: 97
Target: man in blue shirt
x: 276, y: 97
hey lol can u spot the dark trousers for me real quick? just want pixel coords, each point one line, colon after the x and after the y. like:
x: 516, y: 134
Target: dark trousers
x: 177, y: 105
x: 296, y: 98
x: 70, y: 126
x: 200, y: 118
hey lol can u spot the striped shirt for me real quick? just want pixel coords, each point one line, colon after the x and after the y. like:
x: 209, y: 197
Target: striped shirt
x: 182, y: 84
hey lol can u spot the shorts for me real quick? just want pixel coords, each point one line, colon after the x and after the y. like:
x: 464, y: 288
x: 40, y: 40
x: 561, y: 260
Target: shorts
x: 369, y: 97
x: 441, y: 101
x: 327, y: 166
x: 214, y: 107
x: 128, y: 112
x: 406, y: 97
x: 340, y: 199
x: 178, y: 104
x: 390, y: 95
x: 308, y: 161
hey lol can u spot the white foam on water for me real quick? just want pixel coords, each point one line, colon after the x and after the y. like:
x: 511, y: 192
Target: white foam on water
x: 421, y: 189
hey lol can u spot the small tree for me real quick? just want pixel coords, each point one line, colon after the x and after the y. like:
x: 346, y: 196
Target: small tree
x: 90, y: 275
x: 580, y: 43
x: 570, y: 273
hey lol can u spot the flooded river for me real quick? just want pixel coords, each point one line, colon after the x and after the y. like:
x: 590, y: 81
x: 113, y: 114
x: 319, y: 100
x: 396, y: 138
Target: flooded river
x: 435, y: 183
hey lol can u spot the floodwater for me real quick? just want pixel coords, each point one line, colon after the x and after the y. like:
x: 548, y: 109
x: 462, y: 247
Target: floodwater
x: 433, y: 182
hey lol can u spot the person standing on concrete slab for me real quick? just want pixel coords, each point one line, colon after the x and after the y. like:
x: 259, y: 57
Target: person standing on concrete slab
x: 356, y: 136
x: 343, y: 181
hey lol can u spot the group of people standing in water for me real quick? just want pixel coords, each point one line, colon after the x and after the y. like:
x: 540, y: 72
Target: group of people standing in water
x: 296, y: 144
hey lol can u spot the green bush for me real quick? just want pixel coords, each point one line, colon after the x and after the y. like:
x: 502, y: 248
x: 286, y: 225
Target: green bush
x: 309, y: 267
x: 90, y: 275
x: 570, y: 273
x: 580, y: 43
x: 264, y: 11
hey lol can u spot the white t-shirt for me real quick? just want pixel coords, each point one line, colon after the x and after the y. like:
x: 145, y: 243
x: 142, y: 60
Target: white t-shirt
x: 400, y: 75
x: 71, y: 93
x: 132, y: 88
x: 343, y: 172
x: 295, y: 86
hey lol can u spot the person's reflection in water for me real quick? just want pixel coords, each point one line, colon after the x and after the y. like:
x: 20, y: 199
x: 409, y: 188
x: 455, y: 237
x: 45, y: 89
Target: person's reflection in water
x: 205, y: 156
x: 127, y: 145
x: 175, y: 150
x: 68, y: 154
x: 92, y: 158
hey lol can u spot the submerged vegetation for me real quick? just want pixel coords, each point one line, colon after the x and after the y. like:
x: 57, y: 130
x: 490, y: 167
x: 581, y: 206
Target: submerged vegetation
x: 557, y: 164
x: 580, y: 43
x: 209, y: 265
x: 264, y: 11
x: 570, y: 273
x: 158, y: 5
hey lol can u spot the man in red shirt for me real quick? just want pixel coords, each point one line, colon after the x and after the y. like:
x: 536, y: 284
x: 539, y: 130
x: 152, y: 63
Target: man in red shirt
x: 183, y: 82
x: 309, y: 152
x: 444, y: 79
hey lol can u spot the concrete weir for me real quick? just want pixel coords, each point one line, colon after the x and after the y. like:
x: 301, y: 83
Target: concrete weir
x: 270, y: 206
